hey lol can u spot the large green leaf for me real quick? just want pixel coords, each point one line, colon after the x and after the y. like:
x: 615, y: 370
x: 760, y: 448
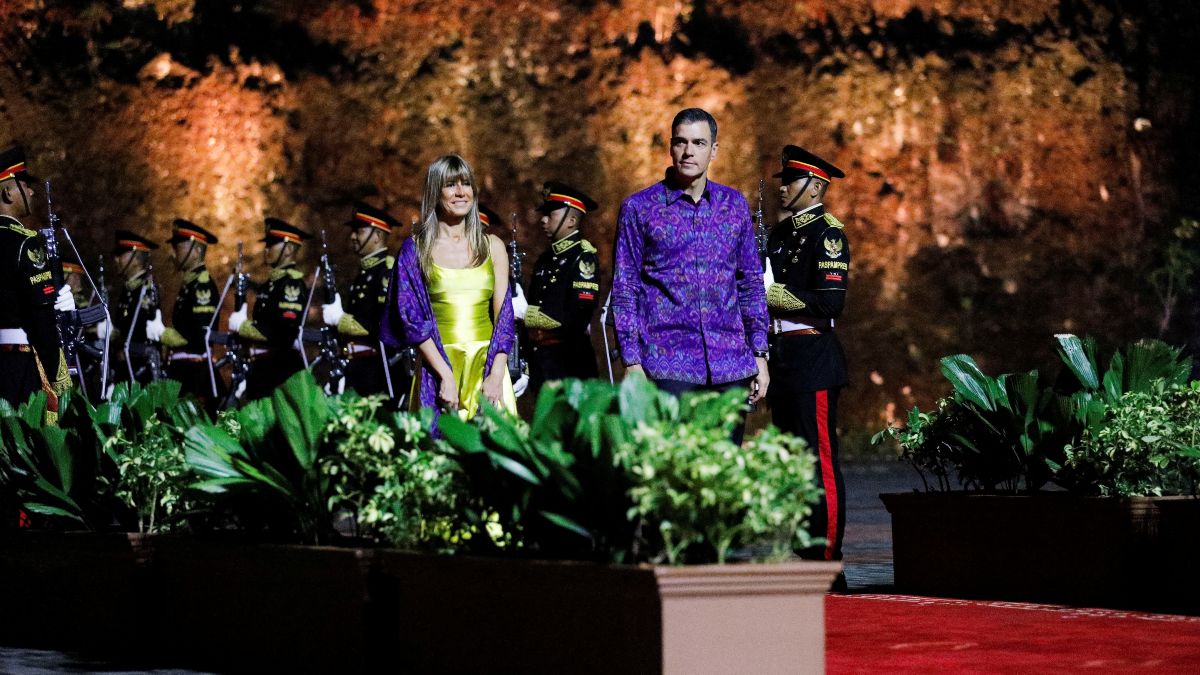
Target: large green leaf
x: 302, y: 412
x: 1080, y: 357
x: 969, y: 382
x: 1151, y: 360
x: 210, y: 450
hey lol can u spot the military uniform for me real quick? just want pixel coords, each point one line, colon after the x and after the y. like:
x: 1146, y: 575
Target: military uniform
x: 276, y: 319
x: 194, y: 309
x: 136, y: 291
x: 562, y: 297
x: 365, y: 300
x: 31, y: 357
x: 30, y: 351
x: 810, y: 259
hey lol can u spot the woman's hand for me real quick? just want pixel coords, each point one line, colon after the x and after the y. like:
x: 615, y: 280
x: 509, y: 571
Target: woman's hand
x: 493, y: 387
x: 448, y: 393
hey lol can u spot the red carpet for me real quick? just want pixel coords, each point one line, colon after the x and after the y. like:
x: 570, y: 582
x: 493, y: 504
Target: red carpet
x: 900, y: 634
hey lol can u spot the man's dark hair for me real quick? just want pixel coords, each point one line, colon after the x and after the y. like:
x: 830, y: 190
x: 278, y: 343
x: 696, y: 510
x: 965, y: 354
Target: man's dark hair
x: 691, y: 115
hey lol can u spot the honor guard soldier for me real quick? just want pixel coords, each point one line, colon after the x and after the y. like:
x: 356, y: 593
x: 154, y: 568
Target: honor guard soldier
x: 562, y: 294
x: 357, y: 321
x: 807, y: 272
x: 278, y: 312
x: 137, y: 317
x: 195, y: 306
x: 31, y: 356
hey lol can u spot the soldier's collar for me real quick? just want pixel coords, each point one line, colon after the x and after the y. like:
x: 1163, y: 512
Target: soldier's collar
x: 136, y: 280
x: 193, y: 274
x: 566, y: 243
x: 808, y: 215
x: 280, y: 272
x: 373, y: 258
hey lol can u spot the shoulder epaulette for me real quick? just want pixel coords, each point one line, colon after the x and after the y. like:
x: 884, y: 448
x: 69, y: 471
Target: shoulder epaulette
x: 391, y: 261
x: 587, y: 246
x: 204, y: 277
x: 834, y: 222
x: 20, y: 229
x: 294, y: 273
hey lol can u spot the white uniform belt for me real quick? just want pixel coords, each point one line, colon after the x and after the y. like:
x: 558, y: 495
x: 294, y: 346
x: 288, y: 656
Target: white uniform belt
x: 186, y: 356
x: 784, y: 326
x: 13, y: 336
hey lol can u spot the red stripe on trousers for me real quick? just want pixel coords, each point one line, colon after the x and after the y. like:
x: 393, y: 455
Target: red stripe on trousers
x: 826, y: 454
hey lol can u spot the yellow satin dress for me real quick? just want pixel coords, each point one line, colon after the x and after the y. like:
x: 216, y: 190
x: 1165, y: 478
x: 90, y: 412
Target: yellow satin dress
x: 462, y: 306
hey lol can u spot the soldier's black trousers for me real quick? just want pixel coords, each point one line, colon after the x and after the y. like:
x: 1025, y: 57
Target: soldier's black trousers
x: 270, y: 370
x: 569, y: 358
x: 812, y: 415
x: 194, y: 379
x: 21, y: 379
x: 365, y: 375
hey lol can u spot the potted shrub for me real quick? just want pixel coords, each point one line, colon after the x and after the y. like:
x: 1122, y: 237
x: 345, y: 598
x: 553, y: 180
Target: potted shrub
x: 1100, y: 534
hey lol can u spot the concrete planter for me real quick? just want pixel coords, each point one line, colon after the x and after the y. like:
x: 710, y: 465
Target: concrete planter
x: 1052, y: 547
x: 75, y: 591
x: 496, y: 616
x: 231, y: 606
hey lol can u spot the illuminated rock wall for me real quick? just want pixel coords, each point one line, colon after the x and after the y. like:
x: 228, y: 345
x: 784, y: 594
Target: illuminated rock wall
x: 1014, y: 167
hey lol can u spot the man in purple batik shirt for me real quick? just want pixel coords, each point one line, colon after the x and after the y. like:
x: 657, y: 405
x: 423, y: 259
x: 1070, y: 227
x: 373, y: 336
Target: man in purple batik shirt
x: 687, y: 296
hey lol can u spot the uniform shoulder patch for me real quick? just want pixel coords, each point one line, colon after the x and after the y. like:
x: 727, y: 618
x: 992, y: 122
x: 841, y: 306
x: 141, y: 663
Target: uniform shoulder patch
x: 834, y: 222
x: 587, y: 246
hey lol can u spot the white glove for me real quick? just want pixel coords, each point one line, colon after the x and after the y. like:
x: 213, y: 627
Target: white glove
x: 155, y: 327
x: 768, y: 276
x: 65, y: 302
x: 240, y: 391
x: 520, y: 305
x: 521, y: 384
x: 298, y: 344
x: 333, y: 312
x: 102, y: 329
x: 237, y: 319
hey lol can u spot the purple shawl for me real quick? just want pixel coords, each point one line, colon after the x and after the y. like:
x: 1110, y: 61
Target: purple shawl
x: 408, y: 320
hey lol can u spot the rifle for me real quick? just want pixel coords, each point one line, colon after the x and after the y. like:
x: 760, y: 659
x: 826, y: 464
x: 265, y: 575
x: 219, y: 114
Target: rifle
x: 330, y: 348
x: 516, y: 365
x: 153, y: 347
x: 235, y: 348
x: 761, y: 235
x: 66, y: 323
x: 88, y: 316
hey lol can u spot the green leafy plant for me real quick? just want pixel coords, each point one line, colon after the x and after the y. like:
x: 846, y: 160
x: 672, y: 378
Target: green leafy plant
x: 392, y: 479
x: 704, y: 495
x: 266, y: 475
x: 56, y: 471
x: 142, y: 429
x: 1012, y: 432
x: 1147, y: 444
x: 629, y: 473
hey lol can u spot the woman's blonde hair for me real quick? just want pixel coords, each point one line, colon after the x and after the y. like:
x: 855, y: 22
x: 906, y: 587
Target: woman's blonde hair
x: 445, y: 171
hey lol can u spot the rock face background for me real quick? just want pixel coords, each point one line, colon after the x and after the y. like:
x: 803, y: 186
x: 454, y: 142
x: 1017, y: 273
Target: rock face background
x: 1015, y: 168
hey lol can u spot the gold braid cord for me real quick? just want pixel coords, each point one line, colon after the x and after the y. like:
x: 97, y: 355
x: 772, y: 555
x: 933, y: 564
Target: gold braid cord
x: 249, y: 331
x: 348, y: 325
x: 534, y: 318
x: 61, y: 385
x: 173, y: 338
x: 779, y: 298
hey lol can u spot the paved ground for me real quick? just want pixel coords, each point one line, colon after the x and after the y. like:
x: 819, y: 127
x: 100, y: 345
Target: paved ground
x: 868, y: 541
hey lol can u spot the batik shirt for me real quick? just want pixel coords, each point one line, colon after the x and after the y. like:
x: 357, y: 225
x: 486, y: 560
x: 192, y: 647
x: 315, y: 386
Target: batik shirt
x: 687, y: 298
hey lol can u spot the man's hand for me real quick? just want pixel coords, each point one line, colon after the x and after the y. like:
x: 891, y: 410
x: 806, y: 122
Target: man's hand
x: 65, y: 301
x: 635, y: 369
x: 768, y: 276
x: 519, y: 304
x: 237, y: 319
x: 332, y: 313
x: 758, y: 386
x: 155, y: 327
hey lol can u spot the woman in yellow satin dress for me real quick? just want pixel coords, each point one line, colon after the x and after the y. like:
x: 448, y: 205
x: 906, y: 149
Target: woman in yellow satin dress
x: 465, y: 272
